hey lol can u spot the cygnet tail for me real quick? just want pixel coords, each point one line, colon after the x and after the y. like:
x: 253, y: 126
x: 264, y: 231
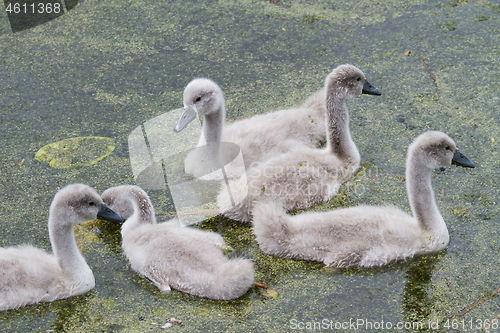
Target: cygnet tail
x: 271, y: 226
x: 231, y: 280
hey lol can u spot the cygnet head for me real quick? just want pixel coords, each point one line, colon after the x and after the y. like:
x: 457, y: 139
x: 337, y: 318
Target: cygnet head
x: 436, y: 149
x: 126, y: 199
x: 347, y: 81
x: 80, y: 203
x: 202, y: 97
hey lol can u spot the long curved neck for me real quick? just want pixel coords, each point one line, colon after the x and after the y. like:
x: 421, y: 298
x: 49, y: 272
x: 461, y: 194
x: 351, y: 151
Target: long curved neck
x: 143, y: 212
x: 213, y: 126
x: 65, y: 250
x: 421, y: 196
x: 337, y: 125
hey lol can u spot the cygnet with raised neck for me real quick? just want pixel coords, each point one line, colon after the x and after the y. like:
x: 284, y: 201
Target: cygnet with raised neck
x: 367, y: 235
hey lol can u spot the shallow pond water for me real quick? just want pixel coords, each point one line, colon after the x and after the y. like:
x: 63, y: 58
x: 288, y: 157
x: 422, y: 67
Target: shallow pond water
x: 105, y: 67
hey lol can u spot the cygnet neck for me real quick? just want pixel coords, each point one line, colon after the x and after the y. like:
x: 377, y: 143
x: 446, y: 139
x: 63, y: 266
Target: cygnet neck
x: 64, y: 246
x: 421, y: 197
x: 339, y: 141
x: 213, y: 126
x: 143, y: 211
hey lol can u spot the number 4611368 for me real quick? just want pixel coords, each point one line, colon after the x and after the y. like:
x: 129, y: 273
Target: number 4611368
x: 39, y: 8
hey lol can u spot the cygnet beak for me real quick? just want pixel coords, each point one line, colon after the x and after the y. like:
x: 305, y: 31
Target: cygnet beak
x: 108, y: 214
x: 462, y: 160
x: 187, y: 116
x: 370, y: 90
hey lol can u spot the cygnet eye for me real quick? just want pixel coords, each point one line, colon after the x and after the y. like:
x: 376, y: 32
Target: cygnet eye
x: 359, y: 79
x: 447, y: 148
x: 92, y: 203
x: 198, y: 99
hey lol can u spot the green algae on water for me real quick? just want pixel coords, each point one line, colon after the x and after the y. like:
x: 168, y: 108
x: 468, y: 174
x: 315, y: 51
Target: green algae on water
x: 76, y: 152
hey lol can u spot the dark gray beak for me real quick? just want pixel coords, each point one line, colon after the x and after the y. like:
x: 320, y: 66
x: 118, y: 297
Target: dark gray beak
x: 186, y: 117
x: 108, y: 214
x: 462, y: 160
x: 370, y: 90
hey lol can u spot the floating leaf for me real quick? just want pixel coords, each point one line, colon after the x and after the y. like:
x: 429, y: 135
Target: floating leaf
x: 76, y: 152
x: 270, y: 293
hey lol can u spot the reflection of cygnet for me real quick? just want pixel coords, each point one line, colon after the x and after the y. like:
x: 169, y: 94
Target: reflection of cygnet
x: 366, y: 235
x: 260, y: 137
x: 29, y: 275
x: 305, y: 176
x: 186, y: 259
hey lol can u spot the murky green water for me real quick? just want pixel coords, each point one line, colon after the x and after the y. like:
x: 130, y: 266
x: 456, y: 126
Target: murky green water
x: 106, y: 67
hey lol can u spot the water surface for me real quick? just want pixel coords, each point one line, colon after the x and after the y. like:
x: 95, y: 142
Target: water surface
x: 106, y: 67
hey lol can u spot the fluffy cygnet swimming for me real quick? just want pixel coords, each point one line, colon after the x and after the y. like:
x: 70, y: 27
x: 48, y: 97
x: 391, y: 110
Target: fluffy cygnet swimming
x: 186, y: 259
x: 30, y: 275
x: 260, y: 137
x: 305, y: 176
x: 367, y: 235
